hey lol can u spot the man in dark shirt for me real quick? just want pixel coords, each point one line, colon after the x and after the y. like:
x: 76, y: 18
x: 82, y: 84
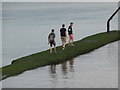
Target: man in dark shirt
x: 70, y: 33
x: 51, y: 41
x: 63, y: 36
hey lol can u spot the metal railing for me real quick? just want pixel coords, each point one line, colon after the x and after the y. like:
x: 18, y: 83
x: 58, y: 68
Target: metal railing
x: 108, y: 22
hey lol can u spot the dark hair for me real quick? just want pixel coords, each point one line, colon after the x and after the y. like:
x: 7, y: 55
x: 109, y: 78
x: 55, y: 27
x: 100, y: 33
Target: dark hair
x: 63, y: 25
x: 52, y: 30
x: 71, y: 23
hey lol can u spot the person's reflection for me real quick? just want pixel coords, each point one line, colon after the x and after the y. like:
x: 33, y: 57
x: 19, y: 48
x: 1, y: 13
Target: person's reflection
x: 71, y: 63
x: 53, y: 70
x: 64, y: 67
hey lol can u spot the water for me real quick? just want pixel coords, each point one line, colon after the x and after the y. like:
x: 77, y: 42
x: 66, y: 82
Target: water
x: 27, y: 25
x: 25, y: 29
x: 98, y: 69
x: 0, y: 39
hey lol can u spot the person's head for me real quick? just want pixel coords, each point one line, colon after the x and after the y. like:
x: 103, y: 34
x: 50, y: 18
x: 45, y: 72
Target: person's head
x: 52, y: 30
x: 63, y: 25
x: 71, y: 24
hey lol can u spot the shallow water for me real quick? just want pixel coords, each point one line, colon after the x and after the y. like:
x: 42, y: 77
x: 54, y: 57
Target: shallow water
x: 98, y: 69
x: 26, y: 25
x: 25, y: 30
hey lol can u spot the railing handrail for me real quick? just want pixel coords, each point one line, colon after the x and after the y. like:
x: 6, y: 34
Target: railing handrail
x: 108, y: 22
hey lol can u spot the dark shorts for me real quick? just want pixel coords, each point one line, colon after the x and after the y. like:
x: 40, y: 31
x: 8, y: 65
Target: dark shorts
x: 52, y: 43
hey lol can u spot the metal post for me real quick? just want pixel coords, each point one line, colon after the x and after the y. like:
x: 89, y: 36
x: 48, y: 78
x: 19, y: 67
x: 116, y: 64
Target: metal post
x: 108, y: 25
x: 108, y: 22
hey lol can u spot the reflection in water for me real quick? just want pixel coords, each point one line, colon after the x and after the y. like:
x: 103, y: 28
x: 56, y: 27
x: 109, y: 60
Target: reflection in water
x: 53, y: 70
x: 98, y: 66
x: 64, y: 68
x: 71, y: 62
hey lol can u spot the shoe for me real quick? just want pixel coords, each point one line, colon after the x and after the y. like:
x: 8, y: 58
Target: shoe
x: 72, y: 45
x: 63, y: 48
x: 55, y: 52
x: 68, y: 44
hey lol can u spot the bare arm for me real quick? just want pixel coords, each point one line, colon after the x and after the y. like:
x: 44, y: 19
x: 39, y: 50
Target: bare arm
x: 54, y: 38
x: 48, y: 39
x: 66, y: 34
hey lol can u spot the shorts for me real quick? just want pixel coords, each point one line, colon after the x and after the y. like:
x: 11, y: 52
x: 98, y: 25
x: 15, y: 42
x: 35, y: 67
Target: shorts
x: 52, y: 43
x: 63, y: 39
x: 71, y: 37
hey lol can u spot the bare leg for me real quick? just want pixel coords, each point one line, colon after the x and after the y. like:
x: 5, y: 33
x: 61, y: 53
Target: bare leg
x: 72, y: 42
x: 69, y: 41
x: 55, y: 49
x: 50, y: 49
x: 64, y: 43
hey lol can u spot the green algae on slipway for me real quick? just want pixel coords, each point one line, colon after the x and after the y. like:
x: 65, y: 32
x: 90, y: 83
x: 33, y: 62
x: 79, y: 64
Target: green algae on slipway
x: 83, y: 46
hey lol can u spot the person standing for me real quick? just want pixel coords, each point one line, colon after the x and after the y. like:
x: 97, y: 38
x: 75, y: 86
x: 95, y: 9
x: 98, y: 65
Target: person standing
x: 51, y: 41
x: 63, y: 36
x: 71, y: 36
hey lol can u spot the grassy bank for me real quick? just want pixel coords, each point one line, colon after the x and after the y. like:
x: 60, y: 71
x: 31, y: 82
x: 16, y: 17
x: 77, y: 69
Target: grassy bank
x: 83, y: 46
